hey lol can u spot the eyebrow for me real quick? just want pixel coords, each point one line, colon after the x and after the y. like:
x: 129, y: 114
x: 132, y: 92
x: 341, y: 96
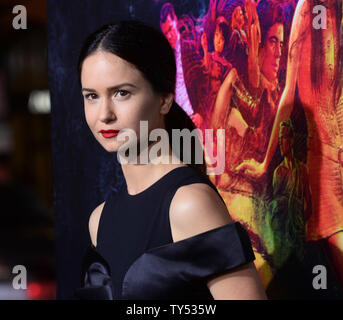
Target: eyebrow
x: 111, y: 88
x: 275, y: 38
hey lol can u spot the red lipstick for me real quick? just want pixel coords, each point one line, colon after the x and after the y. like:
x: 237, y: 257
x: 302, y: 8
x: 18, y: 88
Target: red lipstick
x: 109, y: 133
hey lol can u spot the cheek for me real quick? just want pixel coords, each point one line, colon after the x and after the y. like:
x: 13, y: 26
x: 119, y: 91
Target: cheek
x: 150, y: 114
x: 90, y: 115
x: 154, y: 116
x: 266, y: 60
x: 270, y: 52
x: 222, y: 42
x: 140, y: 110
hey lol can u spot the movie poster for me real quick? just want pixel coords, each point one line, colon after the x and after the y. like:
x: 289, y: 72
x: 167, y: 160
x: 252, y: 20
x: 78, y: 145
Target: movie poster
x: 268, y: 73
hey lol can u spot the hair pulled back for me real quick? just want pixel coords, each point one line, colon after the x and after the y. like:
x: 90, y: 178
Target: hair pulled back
x: 149, y: 51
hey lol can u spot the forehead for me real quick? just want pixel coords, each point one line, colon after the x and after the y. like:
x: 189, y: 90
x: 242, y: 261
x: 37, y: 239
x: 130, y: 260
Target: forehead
x: 238, y: 10
x: 104, y: 68
x: 169, y: 21
x: 276, y: 30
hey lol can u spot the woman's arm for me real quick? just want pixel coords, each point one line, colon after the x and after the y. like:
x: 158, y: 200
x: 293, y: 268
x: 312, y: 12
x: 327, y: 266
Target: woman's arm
x: 253, y: 45
x: 204, y: 45
x: 237, y: 121
x: 94, y: 223
x: 223, y: 99
x: 243, y: 283
x: 197, y: 208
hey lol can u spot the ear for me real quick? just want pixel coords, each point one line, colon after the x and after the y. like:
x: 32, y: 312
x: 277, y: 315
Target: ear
x: 166, y: 103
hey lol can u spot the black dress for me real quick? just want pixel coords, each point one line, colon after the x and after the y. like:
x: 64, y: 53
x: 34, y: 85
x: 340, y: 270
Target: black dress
x: 136, y: 257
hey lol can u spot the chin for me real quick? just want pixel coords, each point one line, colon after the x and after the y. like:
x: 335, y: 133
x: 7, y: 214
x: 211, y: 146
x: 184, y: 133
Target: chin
x: 110, y: 149
x: 110, y: 146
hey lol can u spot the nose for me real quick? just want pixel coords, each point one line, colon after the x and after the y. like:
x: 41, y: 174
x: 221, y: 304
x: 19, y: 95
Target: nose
x: 278, y: 51
x: 107, y: 113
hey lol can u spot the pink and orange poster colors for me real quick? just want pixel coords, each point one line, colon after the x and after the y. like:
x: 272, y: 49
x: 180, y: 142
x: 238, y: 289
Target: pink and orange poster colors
x: 270, y: 73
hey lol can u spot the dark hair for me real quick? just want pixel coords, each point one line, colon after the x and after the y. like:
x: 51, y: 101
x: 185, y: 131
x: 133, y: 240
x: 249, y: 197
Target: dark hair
x: 150, y: 52
x: 269, y: 13
x: 167, y: 9
x: 223, y: 25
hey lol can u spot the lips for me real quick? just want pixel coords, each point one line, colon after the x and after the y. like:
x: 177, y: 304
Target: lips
x: 109, y: 133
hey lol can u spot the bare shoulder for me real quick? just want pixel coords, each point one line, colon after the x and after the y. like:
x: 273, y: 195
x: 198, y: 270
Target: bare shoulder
x: 230, y: 78
x: 301, y: 20
x: 194, y: 209
x: 94, y: 222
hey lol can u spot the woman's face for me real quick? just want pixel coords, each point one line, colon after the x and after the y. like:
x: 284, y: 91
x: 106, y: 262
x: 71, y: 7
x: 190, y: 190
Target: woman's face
x: 239, y: 17
x: 117, y: 97
x: 219, y: 40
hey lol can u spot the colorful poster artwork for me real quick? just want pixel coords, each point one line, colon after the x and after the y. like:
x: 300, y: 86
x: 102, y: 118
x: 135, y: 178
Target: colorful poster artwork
x: 271, y: 74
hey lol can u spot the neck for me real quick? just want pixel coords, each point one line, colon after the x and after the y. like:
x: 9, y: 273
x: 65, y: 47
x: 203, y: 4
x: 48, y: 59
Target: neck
x: 139, y: 176
x: 270, y: 85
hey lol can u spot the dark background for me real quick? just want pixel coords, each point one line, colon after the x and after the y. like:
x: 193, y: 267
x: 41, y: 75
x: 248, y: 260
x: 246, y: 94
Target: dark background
x: 26, y: 197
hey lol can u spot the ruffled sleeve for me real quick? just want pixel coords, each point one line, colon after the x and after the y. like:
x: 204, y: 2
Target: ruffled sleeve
x: 177, y: 270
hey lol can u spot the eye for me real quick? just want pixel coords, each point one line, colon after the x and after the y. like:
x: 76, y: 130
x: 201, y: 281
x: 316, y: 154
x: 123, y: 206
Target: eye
x: 122, y: 93
x: 90, y: 96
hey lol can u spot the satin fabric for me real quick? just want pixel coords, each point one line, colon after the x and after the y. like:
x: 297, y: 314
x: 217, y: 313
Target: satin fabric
x: 175, y: 271
x: 96, y: 277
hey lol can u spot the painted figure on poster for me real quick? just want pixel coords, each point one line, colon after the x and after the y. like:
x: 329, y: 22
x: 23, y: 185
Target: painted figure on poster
x: 215, y: 62
x: 290, y: 206
x: 245, y: 112
x: 169, y: 26
x: 314, y: 78
x: 263, y: 83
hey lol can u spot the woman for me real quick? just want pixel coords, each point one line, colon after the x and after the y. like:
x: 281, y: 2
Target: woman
x: 166, y: 234
x: 215, y: 63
